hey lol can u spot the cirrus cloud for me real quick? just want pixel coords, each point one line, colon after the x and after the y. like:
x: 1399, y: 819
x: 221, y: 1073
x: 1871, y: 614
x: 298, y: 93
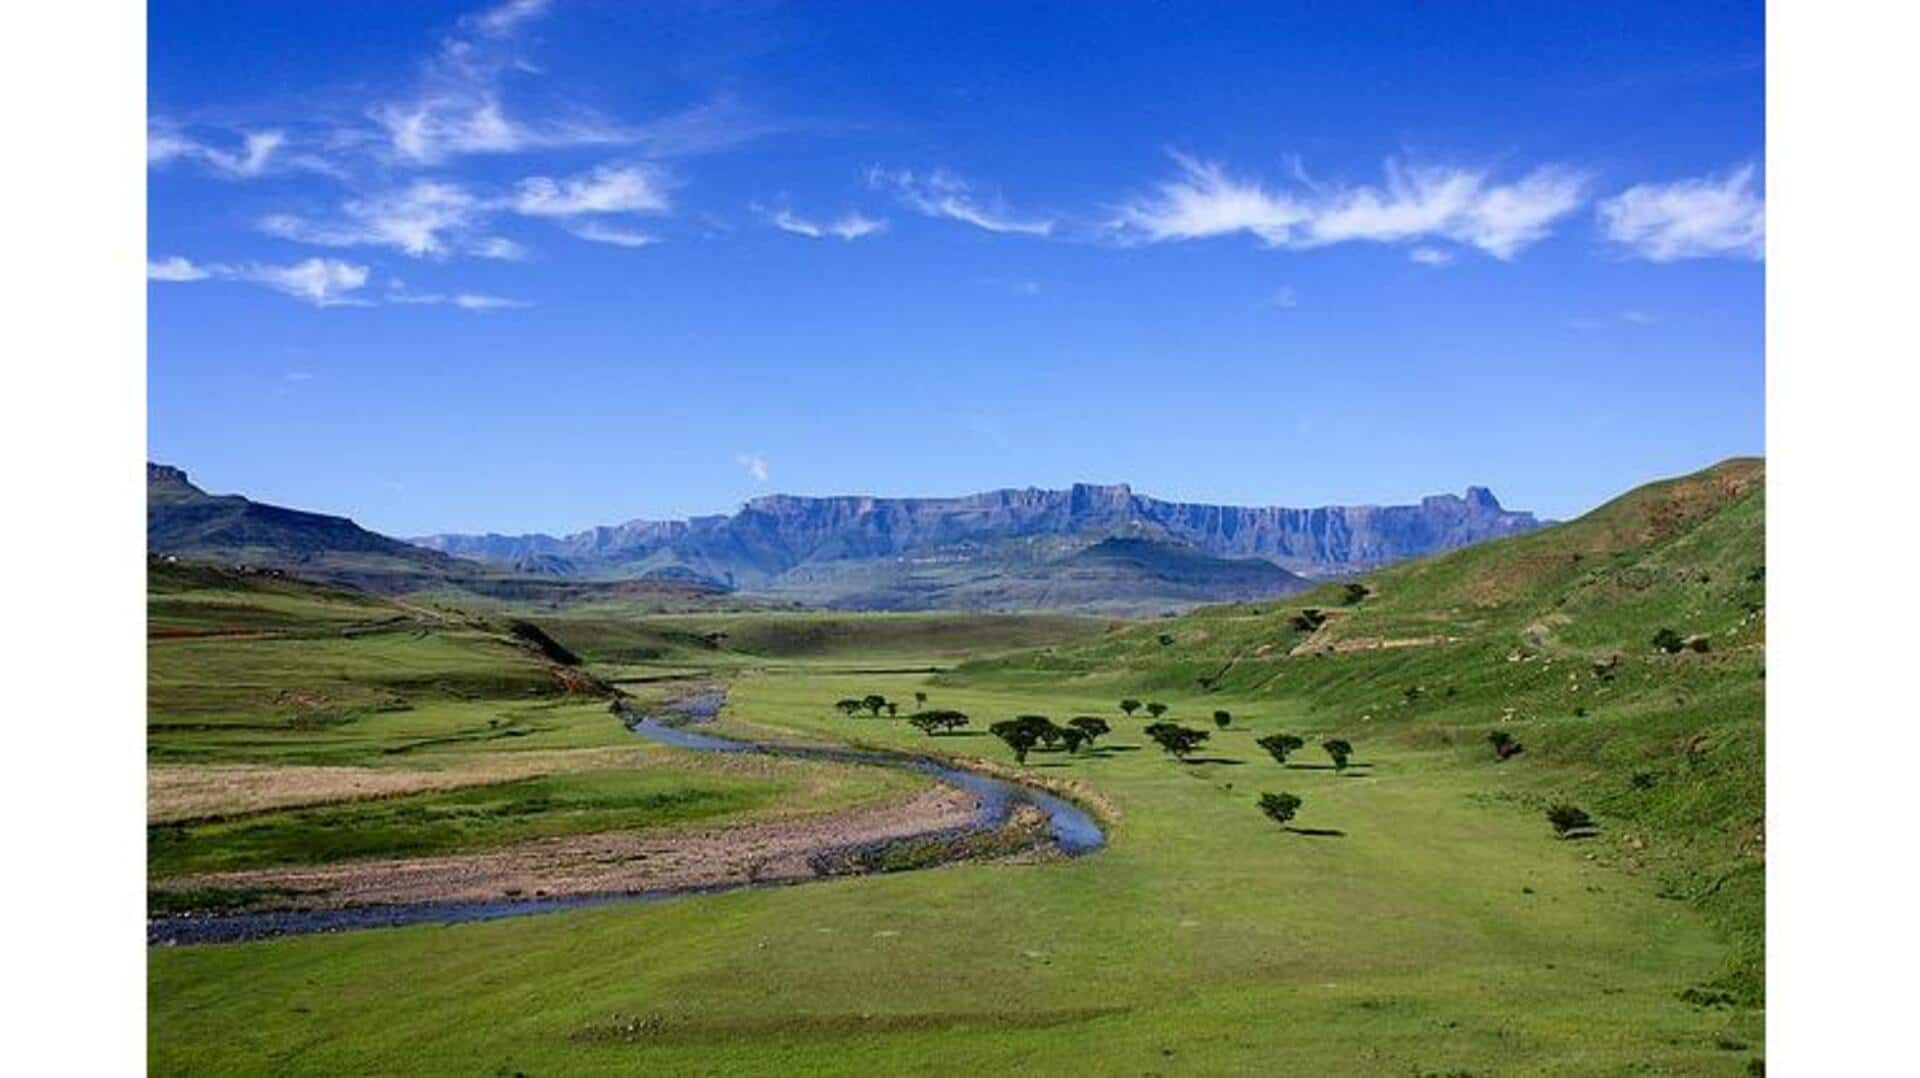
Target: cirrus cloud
x: 323, y: 282
x: 942, y: 194
x: 1708, y: 217
x: 1413, y: 203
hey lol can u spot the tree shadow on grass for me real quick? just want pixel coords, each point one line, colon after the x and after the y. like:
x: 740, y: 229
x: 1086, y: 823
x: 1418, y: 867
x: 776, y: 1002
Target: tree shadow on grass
x: 1318, y: 832
x: 1213, y: 760
x: 963, y: 733
x: 1325, y: 767
x: 1119, y: 748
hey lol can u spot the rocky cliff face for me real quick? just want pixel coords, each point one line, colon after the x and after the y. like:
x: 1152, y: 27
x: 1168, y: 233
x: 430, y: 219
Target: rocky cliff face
x: 775, y: 535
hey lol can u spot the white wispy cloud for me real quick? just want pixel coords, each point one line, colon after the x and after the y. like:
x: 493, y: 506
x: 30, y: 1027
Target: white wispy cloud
x: 427, y: 218
x: 1415, y: 202
x: 323, y: 282
x: 606, y: 189
x: 459, y: 105
x: 175, y: 269
x: 504, y: 18
x: 850, y: 226
x: 1286, y: 297
x: 755, y: 464
x: 601, y: 232
x: 498, y: 247
x: 942, y: 194
x: 1430, y: 256
x: 1627, y: 317
x: 256, y: 153
x: 438, y: 218
x: 1708, y: 217
x: 466, y: 301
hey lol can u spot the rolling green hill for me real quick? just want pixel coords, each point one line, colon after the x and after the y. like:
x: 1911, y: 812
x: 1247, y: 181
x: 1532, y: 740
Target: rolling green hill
x: 1549, y: 637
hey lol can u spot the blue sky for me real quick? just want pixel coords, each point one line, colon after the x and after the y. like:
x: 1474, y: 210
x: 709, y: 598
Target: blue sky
x: 538, y: 266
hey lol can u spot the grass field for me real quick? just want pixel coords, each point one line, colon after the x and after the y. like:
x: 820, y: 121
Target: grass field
x: 291, y: 724
x: 1422, y: 919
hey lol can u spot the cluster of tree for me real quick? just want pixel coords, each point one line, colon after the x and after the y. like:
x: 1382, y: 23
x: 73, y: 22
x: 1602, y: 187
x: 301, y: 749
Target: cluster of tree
x: 927, y: 722
x: 872, y: 702
x: 1024, y: 733
x: 1154, y: 707
x: 1505, y: 747
x: 1179, y: 741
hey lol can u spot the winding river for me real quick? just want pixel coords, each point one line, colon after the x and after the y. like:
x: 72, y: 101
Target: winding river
x: 1073, y: 831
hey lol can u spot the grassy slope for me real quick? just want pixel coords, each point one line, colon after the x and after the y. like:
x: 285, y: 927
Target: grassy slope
x: 1526, y: 618
x: 1444, y: 932
x: 759, y: 638
x: 250, y: 668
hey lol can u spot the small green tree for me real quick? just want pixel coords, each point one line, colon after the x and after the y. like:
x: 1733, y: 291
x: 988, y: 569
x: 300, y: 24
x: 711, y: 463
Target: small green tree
x: 874, y: 702
x: 1339, y: 749
x: 849, y: 707
x: 893, y: 709
x: 1093, y: 727
x: 1223, y: 719
x: 1280, y: 808
x: 1568, y: 819
x: 1073, y: 737
x: 919, y: 699
x: 1179, y: 741
x: 1504, y: 746
x: 1355, y: 592
x: 1668, y: 641
x: 1018, y: 736
x: 1279, y: 745
x: 1129, y: 706
x: 1156, y: 709
x: 930, y: 721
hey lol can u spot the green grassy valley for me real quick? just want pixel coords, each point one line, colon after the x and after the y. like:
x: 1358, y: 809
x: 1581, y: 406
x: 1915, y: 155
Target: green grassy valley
x: 1417, y: 915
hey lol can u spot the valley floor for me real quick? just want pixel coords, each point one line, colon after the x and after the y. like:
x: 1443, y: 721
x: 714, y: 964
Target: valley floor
x: 1436, y: 927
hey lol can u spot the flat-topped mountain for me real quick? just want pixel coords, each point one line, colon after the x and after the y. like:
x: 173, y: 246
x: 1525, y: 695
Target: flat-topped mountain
x: 905, y: 553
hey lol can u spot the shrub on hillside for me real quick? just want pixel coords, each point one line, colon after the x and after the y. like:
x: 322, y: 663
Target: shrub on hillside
x: 1668, y: 641
x: 1569, y: 820
x: 1156, y: 709
x: 1504, y: 746
x: 1179, y: 741
x: 1339, y: 749
x: 1280, y: 808
x: 1223, y: 719
x: 1279, y: 745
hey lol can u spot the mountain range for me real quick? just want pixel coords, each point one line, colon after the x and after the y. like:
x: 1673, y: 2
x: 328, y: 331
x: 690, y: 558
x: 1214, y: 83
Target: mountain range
x: 1095, y: 549
x: 1085, y: 547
